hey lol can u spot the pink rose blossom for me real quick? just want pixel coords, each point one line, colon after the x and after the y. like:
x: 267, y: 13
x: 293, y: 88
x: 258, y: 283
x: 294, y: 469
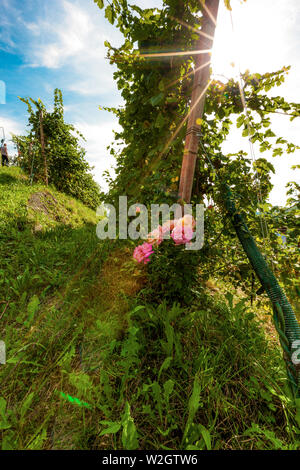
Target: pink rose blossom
x: 182, y: 234
x: 186, y: 221
x: 168, y: 226
x: 142, y: 253
x: 156, y: 236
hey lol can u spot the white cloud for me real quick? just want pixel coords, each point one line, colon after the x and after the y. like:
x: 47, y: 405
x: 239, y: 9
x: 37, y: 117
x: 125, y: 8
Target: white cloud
x: 98, y: 137
x: 59, y: 41
x: 75, y: 39
x: 8, y: 11
x: 10, y: 127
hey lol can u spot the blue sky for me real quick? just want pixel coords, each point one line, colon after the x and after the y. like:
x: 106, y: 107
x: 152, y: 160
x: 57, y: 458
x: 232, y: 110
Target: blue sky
x: 60, y: 43
x: 45, y: 45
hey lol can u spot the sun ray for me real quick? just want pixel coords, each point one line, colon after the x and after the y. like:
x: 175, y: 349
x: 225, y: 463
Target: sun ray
x: 172, y: 54
x: 213, y: 19
x: 157, y: 160
x: 186, y: 117
x: 195, y: 30
x: 188, y: 74
x: 174, y: 135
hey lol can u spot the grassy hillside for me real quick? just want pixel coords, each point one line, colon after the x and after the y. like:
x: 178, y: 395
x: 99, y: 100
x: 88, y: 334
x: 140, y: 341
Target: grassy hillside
x: 90, y: 365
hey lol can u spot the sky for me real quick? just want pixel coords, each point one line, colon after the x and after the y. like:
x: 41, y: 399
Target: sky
x: 60, y: 44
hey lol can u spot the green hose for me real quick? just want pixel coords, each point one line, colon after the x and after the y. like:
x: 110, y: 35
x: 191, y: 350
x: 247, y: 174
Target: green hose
x: 285, y: 320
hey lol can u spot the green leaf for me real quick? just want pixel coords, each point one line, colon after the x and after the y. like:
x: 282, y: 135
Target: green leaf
x: 155, y: 100
x: 206, y: 436
x: 297, y: 401
x: 129, y: 434
x: 109, y: 14
x: 156, y: 390
x: 161, y: 85
x: 4, y: 424
x: 160, y: 120
x: 2, y: 406
x: 229, y: 298
x: 100, y: 3
x: 277, y: 152
x: 113, y: 427
x: 269, y: 133
x: 240, y: 120
x: 165, y: 365
x: 38, y: 441
x: 26, y: 404
x: 194, y: 400
x: 227, y: 4
x: 136, y: 309
x: 168, y: 388
x: 193, y: 406
x: 8, y: 441
x: 31, y: 309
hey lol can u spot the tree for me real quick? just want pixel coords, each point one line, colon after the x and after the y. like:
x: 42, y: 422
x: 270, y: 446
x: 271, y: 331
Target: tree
x: 52, y: 148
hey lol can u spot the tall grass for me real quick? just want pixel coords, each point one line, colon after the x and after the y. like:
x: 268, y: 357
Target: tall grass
x: 90, y: 365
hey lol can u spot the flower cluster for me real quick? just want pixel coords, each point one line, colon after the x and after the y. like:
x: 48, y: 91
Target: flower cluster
x: 142, y: 253
x: 181, y: 232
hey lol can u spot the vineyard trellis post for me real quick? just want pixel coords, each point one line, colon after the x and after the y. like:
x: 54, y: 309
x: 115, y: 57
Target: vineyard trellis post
x: 200, y: 85
x: 42, y: 137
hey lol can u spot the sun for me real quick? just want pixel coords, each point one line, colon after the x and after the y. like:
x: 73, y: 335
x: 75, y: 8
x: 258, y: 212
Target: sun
x: 245, y: 38
x: 226, y: 50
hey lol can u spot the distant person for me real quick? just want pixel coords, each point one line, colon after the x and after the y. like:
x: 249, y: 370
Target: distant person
x: 4, y: 154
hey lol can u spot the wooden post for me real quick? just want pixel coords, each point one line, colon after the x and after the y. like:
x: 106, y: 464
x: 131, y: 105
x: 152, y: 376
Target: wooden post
x: 19, y: 155
x: 201, y: 80
x: 43, y: 147
x: 31, y: 155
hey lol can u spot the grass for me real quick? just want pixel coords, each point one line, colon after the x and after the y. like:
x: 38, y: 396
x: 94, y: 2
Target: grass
x: 144, y: 376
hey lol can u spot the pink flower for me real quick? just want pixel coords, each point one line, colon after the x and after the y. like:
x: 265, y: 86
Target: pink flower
x: 168, y: 226
x: 182, y: 234
x: 156, y: 236
x: 186, y: 221
x: 142, y: 252
x: 138, y: 209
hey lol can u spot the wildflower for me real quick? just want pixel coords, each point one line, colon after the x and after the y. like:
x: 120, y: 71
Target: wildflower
x: 142, y: 253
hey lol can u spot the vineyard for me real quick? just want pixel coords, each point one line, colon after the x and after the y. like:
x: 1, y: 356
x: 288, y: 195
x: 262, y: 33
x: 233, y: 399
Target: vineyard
x: 113, y: 342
